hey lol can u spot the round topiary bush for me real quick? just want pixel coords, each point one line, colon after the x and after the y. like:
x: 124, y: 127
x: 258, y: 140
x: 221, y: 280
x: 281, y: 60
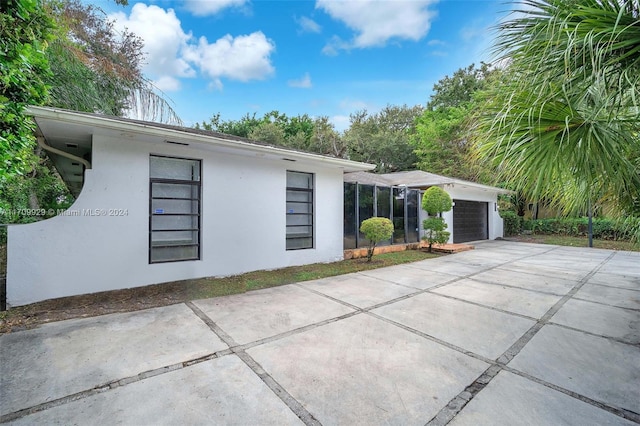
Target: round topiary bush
x: 436, y: 200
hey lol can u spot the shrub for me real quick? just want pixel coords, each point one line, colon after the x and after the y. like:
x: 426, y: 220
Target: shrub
x: 435, y: 201
x: 603, y: 228
x: 376, y: 229
x: 512, y: 222
x: 434, y: 231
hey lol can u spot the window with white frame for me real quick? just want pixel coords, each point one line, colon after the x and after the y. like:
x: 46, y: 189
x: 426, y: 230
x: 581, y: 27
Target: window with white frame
x: 299, y: 210
x: 174, y: 209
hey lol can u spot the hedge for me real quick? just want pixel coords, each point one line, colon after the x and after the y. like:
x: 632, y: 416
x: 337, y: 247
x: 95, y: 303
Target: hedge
x: 603, y: 229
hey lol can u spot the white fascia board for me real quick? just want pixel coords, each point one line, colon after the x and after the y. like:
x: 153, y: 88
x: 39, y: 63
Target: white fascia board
x: 180, y: 136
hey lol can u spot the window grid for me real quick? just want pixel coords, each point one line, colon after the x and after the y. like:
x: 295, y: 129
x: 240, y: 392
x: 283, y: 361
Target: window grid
x: 299, y: 240
x: 184, y: 248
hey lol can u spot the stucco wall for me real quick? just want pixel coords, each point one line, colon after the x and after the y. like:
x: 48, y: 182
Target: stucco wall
x: 471, y: 194
x: 243, y: 224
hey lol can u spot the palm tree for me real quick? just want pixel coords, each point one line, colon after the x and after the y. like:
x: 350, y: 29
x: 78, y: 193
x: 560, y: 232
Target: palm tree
x: 564, y: 124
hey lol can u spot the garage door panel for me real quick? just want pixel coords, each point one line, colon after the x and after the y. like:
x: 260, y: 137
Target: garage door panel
x: 470, y: 221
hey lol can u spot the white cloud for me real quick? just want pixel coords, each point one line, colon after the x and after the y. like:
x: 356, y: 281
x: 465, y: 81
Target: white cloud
x: 172, y: 54
x: 303, y: 83
x: 308, y: 25
x: 436, y: 42
x: 164, y: 39
x: 211, y: 7
x: 243, y: 58
x: 166, y: 83
x: 375, y: 22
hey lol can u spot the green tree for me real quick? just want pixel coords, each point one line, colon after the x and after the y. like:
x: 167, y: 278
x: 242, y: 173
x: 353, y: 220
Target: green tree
x: 299, y: 132
x: 25, y: 30
x: 563, y: 126
x: 375, y: 230
x: 442, y: 140
x: 97, y: 69
x: 383, y: 138
x: 459, y: 89
x: 435, y: 201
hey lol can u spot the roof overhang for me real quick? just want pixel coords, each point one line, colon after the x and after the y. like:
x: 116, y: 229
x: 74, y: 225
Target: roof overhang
x: 72, y: 132
x: 419, y: 180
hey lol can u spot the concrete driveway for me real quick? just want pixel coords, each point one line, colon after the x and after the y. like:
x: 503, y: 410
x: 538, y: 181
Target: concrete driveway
x: 509, y: 333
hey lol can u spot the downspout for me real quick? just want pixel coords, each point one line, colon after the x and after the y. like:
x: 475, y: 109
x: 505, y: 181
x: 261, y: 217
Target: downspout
x: 43, y: 144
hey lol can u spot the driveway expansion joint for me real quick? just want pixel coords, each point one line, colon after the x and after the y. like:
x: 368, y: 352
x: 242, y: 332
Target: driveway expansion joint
x: 456, y: 404
x: 293, y: 404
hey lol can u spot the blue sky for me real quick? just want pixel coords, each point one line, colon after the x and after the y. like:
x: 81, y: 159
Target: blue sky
x: 323, y: 58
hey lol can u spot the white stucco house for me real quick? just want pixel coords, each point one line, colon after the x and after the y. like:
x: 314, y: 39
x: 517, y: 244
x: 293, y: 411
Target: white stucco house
x: 474, y: 215
x: 158, y: 203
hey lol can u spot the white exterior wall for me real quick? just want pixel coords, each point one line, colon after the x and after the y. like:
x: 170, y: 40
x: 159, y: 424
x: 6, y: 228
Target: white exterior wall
x: 243, y: 224
x: 470, y: 194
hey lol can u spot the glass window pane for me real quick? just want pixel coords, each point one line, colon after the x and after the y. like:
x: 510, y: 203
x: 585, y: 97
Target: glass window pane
x: 299, y: 180
x: 365, y: 195
x: 164, y: 222
x: 174, y: 206
x: 167, y: 254
x: 299, y: 243
x: 299, y: 219
x: 165, y: 238
x: 412, y: 216
x: 349, y: 215
x: 174, y: 190
x: 398, y: 215
x: 302, y: 196
x: 174, y: 168
x: 299, y: 210
x: 174, y: 209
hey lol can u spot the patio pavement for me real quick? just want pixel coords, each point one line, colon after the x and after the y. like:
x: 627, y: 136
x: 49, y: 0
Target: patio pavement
x: 508, y: 333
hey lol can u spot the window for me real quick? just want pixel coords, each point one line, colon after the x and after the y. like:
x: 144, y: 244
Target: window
x: 299, y: 210
x: 174, y: 209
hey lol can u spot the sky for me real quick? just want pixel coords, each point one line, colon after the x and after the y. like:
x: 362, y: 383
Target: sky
x: 321, y: 58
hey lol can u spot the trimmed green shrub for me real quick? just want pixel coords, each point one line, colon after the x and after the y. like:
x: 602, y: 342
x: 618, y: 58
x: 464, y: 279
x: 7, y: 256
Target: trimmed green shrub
x: 435, y: 201
x: 376, y: 229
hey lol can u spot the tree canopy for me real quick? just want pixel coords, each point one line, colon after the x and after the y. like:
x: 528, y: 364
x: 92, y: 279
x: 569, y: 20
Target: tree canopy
x: 563, y: 126
x: 383, y: 138
x: 442, y: 139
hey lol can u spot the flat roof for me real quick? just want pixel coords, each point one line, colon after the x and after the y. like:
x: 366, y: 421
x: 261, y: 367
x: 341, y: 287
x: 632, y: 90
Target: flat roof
x: 70, y: 132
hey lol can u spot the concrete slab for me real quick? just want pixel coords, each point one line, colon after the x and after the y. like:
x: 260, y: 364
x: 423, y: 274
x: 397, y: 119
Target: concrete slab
x: 220, y: 391
x: 447, y: 267
x: 513, y: 400
x: 411, y: 277
x: 556, y: 260
x: 363, y: 370
x: 526, y: 281
x: 264, y: 313
x: 620, y: 297
x: 608, y: 321
x: 546, y: 271
x: 359, y: 290
x: 598, y: 368
x: 524, y: 302
x: 66, y: 357
x: 626, y: 265
x: 480, y: 330
x: 616, y: 279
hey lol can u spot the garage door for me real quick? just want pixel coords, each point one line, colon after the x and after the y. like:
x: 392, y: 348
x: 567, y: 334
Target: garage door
x: 470, y: 221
